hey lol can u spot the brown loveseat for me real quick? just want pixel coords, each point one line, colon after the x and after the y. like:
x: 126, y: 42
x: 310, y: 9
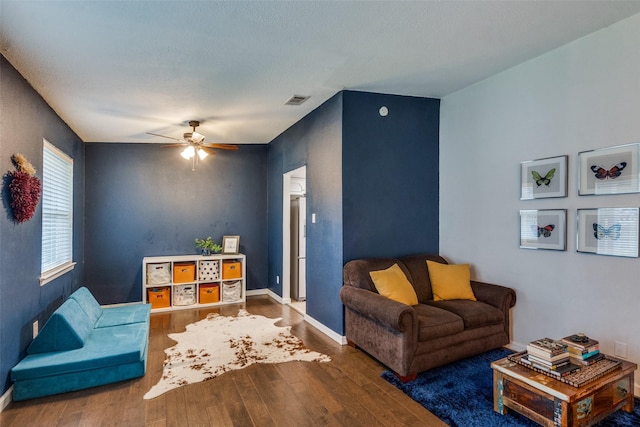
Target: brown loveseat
x: 411, y: 339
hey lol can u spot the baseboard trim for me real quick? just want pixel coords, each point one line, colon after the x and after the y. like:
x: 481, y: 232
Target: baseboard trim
x: 325, y: 330
x: 6, y: 398
x: 254, y: 292
x: 310, y: 320
x: 276, y: 297
x: 516, y: 346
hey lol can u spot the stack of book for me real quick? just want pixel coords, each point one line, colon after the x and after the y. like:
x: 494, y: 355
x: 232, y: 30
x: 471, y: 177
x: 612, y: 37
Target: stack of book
x: 550, y: 356
x: 582, y: 349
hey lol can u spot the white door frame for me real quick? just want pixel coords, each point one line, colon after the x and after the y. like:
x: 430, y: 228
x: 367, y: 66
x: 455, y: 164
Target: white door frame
x: 286, y: 235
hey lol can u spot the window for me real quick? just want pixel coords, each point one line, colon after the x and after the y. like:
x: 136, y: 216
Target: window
x: 57, y: 213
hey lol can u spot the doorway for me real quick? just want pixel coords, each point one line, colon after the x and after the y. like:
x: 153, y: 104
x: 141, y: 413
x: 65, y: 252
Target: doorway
x: 294, y: 234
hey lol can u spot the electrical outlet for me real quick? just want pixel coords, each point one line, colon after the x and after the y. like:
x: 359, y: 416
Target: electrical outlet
x: 35, y: 329
x: 620, y: 349
x: 277, y: 280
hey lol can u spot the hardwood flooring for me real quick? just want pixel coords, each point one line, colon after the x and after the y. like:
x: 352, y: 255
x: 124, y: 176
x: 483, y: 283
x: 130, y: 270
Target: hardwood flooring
x: 347, y: 391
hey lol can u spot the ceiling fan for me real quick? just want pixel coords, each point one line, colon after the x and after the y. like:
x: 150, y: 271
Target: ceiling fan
x: 195, y: 147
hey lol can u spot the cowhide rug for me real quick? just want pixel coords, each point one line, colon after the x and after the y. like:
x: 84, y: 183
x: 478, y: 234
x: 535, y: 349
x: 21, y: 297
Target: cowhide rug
x: 217, y: 344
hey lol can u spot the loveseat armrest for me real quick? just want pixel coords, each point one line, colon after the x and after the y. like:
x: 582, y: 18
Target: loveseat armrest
x: 498, y: 296
x: 382, y: 310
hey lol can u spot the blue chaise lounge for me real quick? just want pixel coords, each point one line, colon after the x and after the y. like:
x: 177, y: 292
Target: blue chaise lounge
x: 84, y: 345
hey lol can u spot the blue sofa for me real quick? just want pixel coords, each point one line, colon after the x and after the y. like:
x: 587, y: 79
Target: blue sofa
x: 84, y: 345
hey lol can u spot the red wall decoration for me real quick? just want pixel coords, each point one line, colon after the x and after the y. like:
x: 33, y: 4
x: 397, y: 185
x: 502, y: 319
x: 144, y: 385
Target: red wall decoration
x: 24, y: 188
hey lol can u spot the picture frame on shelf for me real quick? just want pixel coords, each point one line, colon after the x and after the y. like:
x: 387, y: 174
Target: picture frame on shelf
x: 608, y: 231
x: 612, y: 170
x: 544, y: 178
x: 230, y: 244
x: 543, y: 229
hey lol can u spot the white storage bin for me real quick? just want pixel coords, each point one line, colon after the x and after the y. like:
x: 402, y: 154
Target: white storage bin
x: 208, y: 270
x: 231, y: 291
x: 158, y: 273
x: 184, y: 294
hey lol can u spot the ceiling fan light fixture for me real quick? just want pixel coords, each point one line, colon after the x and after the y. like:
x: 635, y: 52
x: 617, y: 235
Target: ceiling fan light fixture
x: 202, y: 154
x: 188, y: 152
x: 197, y: 137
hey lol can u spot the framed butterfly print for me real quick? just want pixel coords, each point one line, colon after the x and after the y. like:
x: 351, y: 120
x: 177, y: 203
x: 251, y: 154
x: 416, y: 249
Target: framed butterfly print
x: 543, y: 229
x: 543, y: 178
x: 611, y: 170
x: 608, y: 231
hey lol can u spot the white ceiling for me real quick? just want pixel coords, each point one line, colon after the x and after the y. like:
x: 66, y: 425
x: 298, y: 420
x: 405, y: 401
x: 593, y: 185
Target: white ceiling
x: 114, y: 70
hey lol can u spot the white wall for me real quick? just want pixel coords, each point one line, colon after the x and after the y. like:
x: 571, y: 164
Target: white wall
x: 582, y: 96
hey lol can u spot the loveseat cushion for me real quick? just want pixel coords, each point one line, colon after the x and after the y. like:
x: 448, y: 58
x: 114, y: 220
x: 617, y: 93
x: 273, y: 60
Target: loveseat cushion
x: 67, y: 329
x: 474, y: 314
x: 419, y: 273
x: 105, y: 347
x: 87, y: 301
x: 434, y: 322
x: 356, y: 272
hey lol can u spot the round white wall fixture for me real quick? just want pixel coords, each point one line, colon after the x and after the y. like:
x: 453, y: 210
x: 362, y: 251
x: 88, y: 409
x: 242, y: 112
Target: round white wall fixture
x: 383, y: 111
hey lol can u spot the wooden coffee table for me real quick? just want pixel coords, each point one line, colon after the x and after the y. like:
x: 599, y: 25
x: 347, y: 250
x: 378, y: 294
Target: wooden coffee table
x: 550, y: 402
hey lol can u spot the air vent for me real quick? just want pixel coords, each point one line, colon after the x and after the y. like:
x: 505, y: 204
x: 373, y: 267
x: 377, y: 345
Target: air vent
x: 296, y: 100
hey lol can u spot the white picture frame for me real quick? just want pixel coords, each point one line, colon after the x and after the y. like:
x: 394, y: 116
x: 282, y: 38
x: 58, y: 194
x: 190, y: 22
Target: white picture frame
x: 612, y: 170
x: 608, y: 231
x: 230, y: 244
x: 544, y: 178
x: 543, y: 229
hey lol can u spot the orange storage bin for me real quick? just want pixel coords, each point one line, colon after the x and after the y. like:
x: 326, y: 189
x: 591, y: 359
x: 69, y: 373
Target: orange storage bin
x: 159, y: 297
x: 184, y: 272
x: 209, y: 292
x: 231, y: 270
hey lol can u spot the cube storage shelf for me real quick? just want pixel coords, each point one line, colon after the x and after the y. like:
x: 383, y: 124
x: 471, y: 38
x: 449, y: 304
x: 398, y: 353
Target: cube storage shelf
x: 192, y: 281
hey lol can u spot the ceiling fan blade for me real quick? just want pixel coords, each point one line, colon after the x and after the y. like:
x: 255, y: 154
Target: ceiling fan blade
x: 208, y: 150
x: 173, y: 145
x: 164, y: 136
x: 223, y: 146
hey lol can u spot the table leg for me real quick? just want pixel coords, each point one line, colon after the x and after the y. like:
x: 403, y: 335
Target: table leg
x: 497, y: 393
x: 629, y: 407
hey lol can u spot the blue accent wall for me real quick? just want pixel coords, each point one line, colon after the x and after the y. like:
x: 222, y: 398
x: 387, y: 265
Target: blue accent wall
x: 390, y: 175
x: 372, y: 182
x: 145, y: 200
x: 315, y: 141
x: 25, y: 119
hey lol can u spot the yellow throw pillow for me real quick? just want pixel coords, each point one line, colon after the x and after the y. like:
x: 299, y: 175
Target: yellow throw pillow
x: 393, y: 284
x: 450, y: 281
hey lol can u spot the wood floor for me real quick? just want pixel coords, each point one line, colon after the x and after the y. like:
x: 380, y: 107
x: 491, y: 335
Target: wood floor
x: 347, y: 391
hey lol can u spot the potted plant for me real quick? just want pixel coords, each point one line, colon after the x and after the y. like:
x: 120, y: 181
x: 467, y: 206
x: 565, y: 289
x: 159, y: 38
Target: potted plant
x: 208, y: 246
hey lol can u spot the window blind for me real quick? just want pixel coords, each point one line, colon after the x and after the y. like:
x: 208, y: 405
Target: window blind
x: 57, y: 212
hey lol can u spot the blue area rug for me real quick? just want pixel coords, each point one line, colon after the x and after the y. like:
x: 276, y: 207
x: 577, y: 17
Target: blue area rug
x: 461, y: 395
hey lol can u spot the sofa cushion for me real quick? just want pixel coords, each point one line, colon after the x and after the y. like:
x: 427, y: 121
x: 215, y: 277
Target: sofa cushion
x: 474, y: 314
x: 392, y: 283
x: 86, y: 300
x: 105, y: 347
x: 124, y: 315
x: 434, y: 322
x: 419, y: 273
x: 450, y: 282
x: 67, y: 329
x: 356, y: 273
